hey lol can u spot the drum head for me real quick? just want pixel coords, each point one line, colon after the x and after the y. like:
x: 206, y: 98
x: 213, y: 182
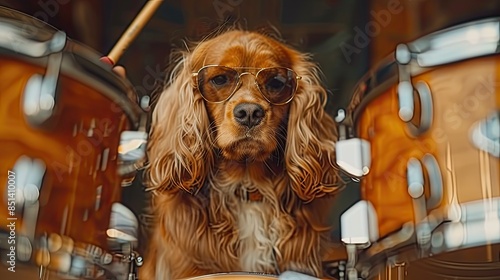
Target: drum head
x: 473, y: 263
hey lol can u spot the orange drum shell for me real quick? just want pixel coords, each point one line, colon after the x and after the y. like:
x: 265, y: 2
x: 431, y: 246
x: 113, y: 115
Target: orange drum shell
x: 75, y: 175
x: 462, y: 94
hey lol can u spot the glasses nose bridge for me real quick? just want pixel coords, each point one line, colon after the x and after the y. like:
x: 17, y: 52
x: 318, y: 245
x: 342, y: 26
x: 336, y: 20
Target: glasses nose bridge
x: 246, y: 73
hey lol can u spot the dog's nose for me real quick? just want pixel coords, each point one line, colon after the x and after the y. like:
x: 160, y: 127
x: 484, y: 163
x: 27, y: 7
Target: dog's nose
x: 248, y: 114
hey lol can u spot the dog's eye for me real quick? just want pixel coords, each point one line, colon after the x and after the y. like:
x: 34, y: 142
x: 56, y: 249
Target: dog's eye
x: 276, y: 84
x: 219, y: 80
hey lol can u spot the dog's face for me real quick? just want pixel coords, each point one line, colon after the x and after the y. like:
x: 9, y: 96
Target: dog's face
x: 247, y: 124
x: 243, y: 96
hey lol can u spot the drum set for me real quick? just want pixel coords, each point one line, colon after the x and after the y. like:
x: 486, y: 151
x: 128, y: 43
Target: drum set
x: 421, y: 135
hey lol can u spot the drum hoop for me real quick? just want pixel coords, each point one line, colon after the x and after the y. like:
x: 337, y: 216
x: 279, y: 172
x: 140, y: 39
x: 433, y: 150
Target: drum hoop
x: 407, y: 251
x: 116, y: 92
x: 418, y: 44
x: 374, y: 89
x: 235, y: 274
x: 361, y: 98
x: 369, y: 98
x: 82, y: 64
x: 19, y: 17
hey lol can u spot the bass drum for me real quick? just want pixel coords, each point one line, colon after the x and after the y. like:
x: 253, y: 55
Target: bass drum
x: 422, y: 134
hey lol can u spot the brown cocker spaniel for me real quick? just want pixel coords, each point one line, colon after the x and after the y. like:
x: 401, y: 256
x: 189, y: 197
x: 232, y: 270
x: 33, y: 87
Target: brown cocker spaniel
x: 241, y: 161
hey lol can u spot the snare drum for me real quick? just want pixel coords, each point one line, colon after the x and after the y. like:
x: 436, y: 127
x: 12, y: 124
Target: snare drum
x: 63, y: 116
x: 253, y: 276
x: 422, y: 134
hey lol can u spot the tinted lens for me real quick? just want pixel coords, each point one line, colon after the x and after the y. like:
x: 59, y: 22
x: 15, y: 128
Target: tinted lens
x: 216, y: 83
x: 277, y: 84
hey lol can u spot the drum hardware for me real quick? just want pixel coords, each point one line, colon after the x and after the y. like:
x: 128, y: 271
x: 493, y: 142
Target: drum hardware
x: 374, y: 257
x: 123, y: 226
x: 454, y: 211
x: 135, y: 261
x: 292, y: 275
x: 485, y: 134
x: 63, y: 255
x: 30, y: 173
x: 12, y: 39
x: 122, y: 236
x: 132, y: 145
x: 335, y: 269
x: 98, y: 197
x: 457, y: 43
x: 40, y: 91
x: 398, y: 270
x: 415, y: 178
x: 423, y: 92
x: 358, y: 235
x: 403, y: 54
x: 435, y: 181
x: 465, y: 225
x: 133, y: 258
x: 132, y: 152
x: 24, y: 248
x: 406, y: 94
x: 405, y: 88
x: 353, y: 154
x: 145, y: 103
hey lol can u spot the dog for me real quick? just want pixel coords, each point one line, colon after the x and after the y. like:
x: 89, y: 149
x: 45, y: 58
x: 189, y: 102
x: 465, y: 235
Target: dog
x: 241, y: 161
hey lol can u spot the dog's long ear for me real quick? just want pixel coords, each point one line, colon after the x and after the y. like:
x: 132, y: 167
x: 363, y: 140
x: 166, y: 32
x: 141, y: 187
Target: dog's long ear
x: 179, y: 150
x: 310, y: 148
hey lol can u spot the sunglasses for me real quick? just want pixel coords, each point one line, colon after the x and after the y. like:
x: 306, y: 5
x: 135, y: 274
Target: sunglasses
x: 218, y: 83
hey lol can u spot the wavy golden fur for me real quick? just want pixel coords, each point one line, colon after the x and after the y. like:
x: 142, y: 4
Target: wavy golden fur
x: 203, y: 164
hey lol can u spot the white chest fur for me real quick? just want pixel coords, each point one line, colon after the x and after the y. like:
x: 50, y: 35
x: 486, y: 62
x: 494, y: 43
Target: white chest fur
x: 257, y: 236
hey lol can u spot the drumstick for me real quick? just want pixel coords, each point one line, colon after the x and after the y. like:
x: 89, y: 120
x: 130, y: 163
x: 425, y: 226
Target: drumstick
x: 132, y: 31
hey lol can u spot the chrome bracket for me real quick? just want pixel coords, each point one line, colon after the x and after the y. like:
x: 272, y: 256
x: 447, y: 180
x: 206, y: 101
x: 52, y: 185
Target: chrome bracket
x: 353, y: 156
x: 359, y: 224
x: 405, y: 90
x: 30, y: 173
x: 415, y: 178
x: 132, y: 151
x: 40, y: 91
x: 123, y: 232
x: 485, y: 135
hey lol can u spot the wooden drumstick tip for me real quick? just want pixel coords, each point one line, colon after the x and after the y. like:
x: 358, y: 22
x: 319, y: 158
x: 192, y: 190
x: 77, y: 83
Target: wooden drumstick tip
x: 107, y: 60
x: 133, y: 30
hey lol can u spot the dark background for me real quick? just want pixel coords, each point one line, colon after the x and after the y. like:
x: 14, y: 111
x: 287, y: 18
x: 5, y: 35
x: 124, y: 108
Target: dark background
x: 329, y: 29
